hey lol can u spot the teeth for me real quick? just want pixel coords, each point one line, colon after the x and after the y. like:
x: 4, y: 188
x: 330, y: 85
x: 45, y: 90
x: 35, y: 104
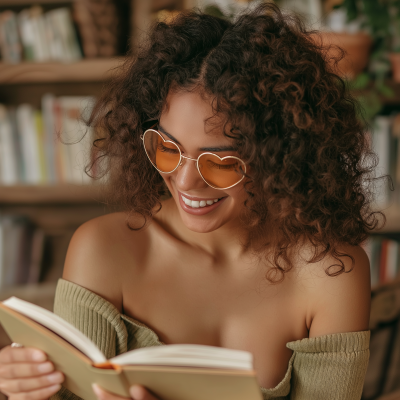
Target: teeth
x: 196, y: 203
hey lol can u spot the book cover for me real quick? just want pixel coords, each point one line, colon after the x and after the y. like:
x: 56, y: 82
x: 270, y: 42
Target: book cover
x: 170, y: 382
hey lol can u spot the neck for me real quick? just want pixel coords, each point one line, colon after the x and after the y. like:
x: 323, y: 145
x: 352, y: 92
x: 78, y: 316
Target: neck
x: 223, y: 244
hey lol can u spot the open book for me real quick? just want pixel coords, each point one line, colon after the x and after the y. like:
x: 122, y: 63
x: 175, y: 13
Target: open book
x: 172, y: 372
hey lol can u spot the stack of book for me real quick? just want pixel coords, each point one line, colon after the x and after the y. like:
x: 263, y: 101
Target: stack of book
x: 21, y: 251
x: 384, y: 259
x: 50, y: 146
x: 34, y: 35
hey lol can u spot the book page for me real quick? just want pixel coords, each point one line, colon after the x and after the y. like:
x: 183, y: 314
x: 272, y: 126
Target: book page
x: 189, y: 355
x: 58, y: 326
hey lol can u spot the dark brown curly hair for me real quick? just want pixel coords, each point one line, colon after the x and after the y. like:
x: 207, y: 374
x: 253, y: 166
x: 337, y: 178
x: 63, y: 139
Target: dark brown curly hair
x: 292, y: 118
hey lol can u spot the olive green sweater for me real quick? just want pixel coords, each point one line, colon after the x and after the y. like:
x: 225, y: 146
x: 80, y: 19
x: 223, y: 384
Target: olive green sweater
x: 330, y: 367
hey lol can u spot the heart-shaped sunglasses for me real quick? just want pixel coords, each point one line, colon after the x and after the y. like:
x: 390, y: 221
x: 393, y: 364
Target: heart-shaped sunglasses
x: 218, y: 172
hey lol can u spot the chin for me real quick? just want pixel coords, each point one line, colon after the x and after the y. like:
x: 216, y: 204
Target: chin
x: 201, y: 224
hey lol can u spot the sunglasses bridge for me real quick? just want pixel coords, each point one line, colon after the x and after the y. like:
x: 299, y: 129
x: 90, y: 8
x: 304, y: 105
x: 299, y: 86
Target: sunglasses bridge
x: 188, y: 158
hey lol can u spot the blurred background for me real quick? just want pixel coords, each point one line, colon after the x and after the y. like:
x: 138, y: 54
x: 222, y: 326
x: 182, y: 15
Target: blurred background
x: 55, y: 56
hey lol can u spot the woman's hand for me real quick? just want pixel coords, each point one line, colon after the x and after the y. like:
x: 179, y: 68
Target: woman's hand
x: 137, y: 393
x: 25, y: 374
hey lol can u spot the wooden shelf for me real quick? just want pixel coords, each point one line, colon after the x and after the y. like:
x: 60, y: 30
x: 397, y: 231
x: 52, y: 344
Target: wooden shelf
x: 14, y: 3
x: 89, y: 70
x: 55, y: 194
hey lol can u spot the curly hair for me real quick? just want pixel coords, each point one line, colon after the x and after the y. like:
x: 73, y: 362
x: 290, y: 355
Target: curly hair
x: 292, y: 118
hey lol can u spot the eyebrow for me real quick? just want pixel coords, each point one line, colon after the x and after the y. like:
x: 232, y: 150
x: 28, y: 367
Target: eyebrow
x: 213, y: 149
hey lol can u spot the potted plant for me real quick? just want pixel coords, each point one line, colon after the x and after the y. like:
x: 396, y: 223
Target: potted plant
x: 373, y: 16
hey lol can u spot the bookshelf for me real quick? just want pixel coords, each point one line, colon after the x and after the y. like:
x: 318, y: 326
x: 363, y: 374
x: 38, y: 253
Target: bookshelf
x: 59, y: 209
x: 50, y: 194
x: 86, y: 70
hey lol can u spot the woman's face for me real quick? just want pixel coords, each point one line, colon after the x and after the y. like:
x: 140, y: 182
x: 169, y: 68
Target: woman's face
x: 183, y: 122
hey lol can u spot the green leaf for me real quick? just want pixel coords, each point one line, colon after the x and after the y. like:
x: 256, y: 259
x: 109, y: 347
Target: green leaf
x: 214, y: 10
x: 385, y: 90
x: 370, y: 104
x: 360, y: 82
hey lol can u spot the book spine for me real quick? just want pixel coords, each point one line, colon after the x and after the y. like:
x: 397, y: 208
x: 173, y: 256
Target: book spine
x: 26, y: 34
x: 59, y: 152
x: 381, y: 144
x: 383, y: 262
x: 8, y: 165
x: 36, y: 257
x: 40, y: 139
x: 17, y: 145
x: 26, y: 126
x: 49, y: 137
x: 9, y: 38
x: 41, y: 50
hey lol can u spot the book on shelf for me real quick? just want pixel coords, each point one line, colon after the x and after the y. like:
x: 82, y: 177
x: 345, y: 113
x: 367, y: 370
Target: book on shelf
x: 170, y: 371
x: 21, y: 251
x: 99, y: 27
x: 384, y: 258
x: 50, y: 146
x: 10, y: 44
x: 35, y: 35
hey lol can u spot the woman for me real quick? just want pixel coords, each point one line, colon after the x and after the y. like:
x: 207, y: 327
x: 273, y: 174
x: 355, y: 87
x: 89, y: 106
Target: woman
x: 257, y: 143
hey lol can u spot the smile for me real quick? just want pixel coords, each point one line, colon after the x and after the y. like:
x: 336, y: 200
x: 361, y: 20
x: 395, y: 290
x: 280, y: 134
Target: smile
x: 198, y: 203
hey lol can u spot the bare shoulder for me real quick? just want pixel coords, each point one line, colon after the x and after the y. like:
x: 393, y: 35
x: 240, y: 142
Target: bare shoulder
x: 99, y: 252
x: 339, y: 303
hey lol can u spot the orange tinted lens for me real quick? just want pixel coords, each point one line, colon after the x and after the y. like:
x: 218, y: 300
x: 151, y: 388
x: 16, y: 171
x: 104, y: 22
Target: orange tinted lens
x: 165, y: 156
x: 219, y: 173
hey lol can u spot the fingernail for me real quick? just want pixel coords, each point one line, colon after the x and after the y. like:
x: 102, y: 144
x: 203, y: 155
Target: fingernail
x: 46, y: 367
x: 56, y: 377
x: 136, y: 392
x: 55, y: 388
x: 38, y: 356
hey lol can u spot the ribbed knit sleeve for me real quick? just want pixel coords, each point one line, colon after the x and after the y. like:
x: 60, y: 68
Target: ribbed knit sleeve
x: 98, y: 319
x: 330, y: 367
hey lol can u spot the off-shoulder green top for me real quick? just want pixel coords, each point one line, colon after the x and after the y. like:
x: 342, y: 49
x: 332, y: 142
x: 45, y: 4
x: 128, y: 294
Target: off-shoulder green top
x: 330, y: 367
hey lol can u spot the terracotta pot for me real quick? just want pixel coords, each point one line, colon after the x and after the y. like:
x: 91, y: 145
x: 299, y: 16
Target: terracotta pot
x: 395, y: 62
x: 357, y: 47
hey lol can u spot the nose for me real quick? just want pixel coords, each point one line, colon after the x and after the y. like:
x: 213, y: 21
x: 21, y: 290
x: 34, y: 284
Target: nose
x: 188, y: 177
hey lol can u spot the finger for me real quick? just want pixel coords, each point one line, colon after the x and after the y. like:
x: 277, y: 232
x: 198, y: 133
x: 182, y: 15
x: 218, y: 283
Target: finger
x: 104, y: 395
x: 10, y: 355
x: 41, y: 394
x: 21, y: 370
x: 141, y: 393
x: 28, y: 385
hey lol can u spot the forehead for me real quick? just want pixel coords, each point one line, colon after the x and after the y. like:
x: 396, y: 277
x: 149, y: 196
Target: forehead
x: 190, y: 114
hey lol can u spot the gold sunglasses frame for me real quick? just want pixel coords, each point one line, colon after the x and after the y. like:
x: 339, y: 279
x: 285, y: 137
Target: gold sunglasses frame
x: 190, y: 158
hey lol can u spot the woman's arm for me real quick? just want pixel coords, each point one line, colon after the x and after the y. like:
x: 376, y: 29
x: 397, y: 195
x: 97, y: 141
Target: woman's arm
x: 339, y: 304
x: 331, y: 364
